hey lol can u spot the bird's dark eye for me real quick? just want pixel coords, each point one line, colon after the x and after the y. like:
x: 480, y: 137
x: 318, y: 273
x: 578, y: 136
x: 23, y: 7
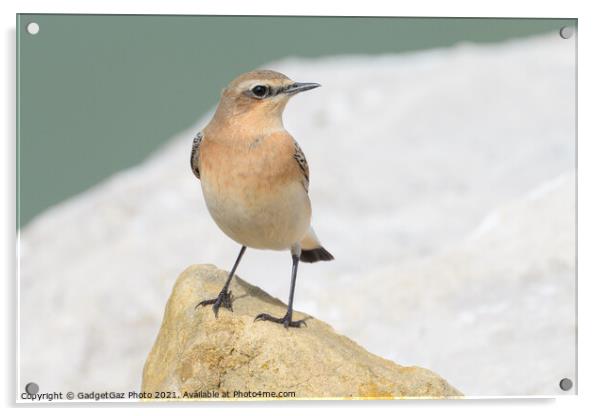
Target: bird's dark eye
x: 260, y: 91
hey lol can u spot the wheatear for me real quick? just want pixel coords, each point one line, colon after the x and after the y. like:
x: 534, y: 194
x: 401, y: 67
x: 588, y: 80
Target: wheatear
x: 255, y: 177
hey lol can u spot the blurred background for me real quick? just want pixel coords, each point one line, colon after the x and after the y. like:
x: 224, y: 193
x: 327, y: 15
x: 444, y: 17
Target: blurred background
x: 442, y: 158
x: 126, y: 84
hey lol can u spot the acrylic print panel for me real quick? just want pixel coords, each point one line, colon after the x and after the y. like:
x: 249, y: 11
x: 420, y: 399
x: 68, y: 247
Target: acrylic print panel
x: 441, y: 158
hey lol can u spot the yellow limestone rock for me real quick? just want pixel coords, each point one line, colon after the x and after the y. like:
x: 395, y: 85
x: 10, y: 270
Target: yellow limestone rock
x: 198, y: 356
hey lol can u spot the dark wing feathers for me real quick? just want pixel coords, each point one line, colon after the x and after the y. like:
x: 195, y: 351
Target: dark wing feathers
x: 302, y: 162
x: 194, y: 155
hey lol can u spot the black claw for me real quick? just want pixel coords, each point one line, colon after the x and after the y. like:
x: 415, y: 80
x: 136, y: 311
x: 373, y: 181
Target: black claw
x: 223, y: 300
x: 286, y: 320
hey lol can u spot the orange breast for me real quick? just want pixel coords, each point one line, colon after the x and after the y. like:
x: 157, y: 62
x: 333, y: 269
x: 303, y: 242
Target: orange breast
x: 247, y: 166
x: 254, y: 190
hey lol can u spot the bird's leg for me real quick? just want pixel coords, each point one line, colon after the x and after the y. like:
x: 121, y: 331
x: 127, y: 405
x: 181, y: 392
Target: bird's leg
x: 287, y: 319
x: 224, y: 299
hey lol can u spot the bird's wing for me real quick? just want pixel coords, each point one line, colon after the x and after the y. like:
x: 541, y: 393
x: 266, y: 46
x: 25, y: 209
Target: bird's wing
x: 194, y: 155
x: 302, y: 162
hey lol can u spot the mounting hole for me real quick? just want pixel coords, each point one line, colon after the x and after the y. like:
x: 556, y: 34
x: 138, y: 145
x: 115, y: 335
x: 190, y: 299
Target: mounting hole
x: 566, y: 32
x: 566, y: 384
x: 32, y: 389
x: 33, y: 28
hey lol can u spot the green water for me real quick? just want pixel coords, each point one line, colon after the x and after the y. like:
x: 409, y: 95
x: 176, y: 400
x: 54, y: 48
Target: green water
x: 97, y: 94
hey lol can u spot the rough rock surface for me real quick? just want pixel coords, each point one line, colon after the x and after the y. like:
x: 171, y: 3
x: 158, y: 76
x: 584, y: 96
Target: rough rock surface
x: 195, y: 352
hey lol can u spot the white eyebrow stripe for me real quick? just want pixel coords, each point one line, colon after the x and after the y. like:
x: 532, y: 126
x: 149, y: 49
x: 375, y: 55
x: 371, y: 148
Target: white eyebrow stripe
x: 251, y: 82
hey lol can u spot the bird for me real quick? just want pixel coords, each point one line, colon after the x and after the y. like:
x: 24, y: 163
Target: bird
x: 255, y: 178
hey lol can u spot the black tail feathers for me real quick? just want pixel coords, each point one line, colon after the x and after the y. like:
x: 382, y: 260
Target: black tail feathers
x: 316, y: 254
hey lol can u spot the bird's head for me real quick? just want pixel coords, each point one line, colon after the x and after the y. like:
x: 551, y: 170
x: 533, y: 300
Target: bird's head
x: 260, y: 94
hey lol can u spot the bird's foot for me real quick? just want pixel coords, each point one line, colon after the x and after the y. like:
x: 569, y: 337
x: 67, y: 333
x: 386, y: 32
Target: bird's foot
x: 223, y: 300
x: 286, y: 320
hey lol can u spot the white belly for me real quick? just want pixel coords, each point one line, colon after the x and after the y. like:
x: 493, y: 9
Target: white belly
x: 275, y: 220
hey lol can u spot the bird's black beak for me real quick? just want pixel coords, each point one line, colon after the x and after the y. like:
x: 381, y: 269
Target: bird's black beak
x: 300, y: 86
